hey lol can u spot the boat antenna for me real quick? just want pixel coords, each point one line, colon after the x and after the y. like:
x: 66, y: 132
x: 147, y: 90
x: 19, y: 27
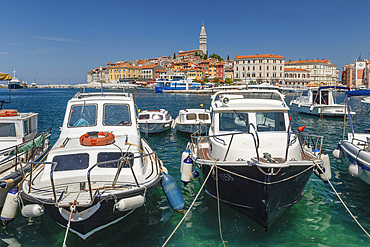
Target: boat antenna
x: 101, y: 80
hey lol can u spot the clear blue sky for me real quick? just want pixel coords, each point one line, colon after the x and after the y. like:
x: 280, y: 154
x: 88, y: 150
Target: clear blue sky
x: 60, y: 41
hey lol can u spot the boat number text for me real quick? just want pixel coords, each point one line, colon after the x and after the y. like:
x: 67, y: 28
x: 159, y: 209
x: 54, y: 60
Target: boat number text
x: 226, y: 177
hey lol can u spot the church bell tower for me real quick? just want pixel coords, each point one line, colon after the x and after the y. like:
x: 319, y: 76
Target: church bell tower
x: 203, y: 40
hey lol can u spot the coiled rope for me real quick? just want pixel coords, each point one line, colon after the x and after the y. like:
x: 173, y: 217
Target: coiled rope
x: 192, y: 204
x: 345, y: 206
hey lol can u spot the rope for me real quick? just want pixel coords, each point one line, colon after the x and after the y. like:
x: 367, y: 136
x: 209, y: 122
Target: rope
x: 192, y: 204
x: 266, y: 183
x: 345, y: 206
x: 69, y: 222
x: 218, y: 210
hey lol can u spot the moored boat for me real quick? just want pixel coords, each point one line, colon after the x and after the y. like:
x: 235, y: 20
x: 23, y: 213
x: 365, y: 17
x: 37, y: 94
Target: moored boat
x: 366, y: 102
x: 355, y: 149
x: 100, y: 169
x: 193, y: 120
x: 173, y: 82
x: 320, y: 101
x: 154, y: 121
x: 257, y: 164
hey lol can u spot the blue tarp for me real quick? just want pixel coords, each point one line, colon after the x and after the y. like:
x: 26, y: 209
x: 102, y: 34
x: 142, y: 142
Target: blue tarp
x: 358, y: 93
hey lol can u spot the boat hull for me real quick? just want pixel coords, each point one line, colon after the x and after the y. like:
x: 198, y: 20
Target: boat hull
x: 152, y: 128
x: 191, y: 128
x: 14, y: 86
x: 354, y: 153
x: 262, y: 201
x: 324, y: 110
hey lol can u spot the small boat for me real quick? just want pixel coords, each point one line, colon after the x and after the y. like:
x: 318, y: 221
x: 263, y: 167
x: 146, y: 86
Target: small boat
x: 154, y: 121
x: 33, y: 85
x: 20, y: 143
x: 258, y: 165
x: 193, y: 120
x: 320, y: 101
x: 99, y: 170
x: 355, y: 149
x: 366, y: 102
x: 174, y: 82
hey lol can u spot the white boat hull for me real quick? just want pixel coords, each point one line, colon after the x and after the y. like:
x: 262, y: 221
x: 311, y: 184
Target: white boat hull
x: 151, y: 128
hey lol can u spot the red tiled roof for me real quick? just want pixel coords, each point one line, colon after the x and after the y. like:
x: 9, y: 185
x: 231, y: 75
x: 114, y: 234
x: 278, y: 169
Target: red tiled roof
x: 148, y: 66
x: 308, y: 61
x: 259, y: 56
x: 293, y: 69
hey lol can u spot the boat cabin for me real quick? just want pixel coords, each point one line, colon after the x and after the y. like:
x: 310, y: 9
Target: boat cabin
x: 154, y: 116
x: 188, y: 116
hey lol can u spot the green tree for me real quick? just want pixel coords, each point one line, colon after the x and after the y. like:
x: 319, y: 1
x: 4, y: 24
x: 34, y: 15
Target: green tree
x: 215, y: 56
x: 216, y: 81
x: 195, y: 80
x: 205, y: 80
x: 228, y: 80
x: 174, y: 55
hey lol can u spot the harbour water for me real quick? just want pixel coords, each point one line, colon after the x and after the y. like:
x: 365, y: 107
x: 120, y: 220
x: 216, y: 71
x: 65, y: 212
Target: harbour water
x: 319, y: 219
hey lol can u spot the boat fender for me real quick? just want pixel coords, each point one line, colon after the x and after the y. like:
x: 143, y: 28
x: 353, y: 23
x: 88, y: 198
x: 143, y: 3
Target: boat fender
x: 130, y: 203
x: 195, y: 175
x: 184, y: 155
x: 338, y: 153
x: 32, y: 210
x: 311, y: 108
x: 355, y: 170
x: 10, y: 206
x: 325, y: 167
x: 172, y: 193
x: 187, y: 169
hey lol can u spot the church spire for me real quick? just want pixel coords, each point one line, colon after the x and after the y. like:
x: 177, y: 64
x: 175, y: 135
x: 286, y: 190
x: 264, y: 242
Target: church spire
x: 203, y: 40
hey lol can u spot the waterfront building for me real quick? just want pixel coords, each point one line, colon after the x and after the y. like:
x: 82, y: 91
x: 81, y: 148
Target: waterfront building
x: 229, y: 73
x: 348, y: 75
x: 268, y: 68
x: 322, y: 72
x: 123, y: 71
x: 195, y: 73
x: 357, y: 74
x: 95, y: 75
x: 296, y: 77
x: 148, y: 71
x: 203, y: 39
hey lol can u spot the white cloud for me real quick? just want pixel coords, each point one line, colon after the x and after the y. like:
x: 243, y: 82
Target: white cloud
x: 46, y: 50
x: 58, y: 39
x: 3, y: 52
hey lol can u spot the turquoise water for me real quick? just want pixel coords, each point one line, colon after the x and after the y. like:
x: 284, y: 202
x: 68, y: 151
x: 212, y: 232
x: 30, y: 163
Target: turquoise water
x: 319, y: 219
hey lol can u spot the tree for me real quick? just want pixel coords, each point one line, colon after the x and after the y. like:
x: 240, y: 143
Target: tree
x: 228, y: 80
x: 228, y: 58
x: 174, y: 55
x: 216, y: 81
x: 215, y: 56
x: 195, y: 80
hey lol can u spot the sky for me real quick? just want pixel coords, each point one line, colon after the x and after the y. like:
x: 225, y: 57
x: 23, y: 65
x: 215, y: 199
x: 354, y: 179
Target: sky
x: 58, y: 42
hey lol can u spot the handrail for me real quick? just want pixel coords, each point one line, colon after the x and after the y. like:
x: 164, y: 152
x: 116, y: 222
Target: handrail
x: 54, y: 164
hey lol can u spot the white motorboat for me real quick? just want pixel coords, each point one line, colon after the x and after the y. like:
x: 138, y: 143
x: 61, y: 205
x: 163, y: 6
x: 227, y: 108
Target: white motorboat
x: 366, y: 102
x: 320, y: 101
x: 20, y: 143
x: 99, y: 170
x: 257, y: 164
x: 154, y: 121
x: 355, y: 149
x: 193, y: 120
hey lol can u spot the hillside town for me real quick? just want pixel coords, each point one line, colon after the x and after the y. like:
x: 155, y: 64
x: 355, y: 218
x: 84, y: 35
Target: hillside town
x: 199, y: 66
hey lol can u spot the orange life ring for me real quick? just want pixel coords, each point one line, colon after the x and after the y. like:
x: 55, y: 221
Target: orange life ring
x: 8, y: 113
x: 96, y: 139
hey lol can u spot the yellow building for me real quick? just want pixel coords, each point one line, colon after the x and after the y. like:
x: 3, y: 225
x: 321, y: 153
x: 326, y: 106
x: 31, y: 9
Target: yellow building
x: 123, y: 71
x: 195, y: 73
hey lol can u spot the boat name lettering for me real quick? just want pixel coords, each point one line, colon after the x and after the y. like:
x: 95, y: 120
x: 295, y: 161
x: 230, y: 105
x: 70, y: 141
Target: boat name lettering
x: 224, y: 177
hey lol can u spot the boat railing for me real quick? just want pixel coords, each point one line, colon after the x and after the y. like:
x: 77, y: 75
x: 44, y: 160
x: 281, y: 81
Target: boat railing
x: 307, y: 141
x: 23, y: 152
x: 196, y: 139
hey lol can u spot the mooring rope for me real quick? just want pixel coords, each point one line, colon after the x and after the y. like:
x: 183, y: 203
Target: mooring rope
x: 192, y: 204
x: 218, y: 210
x: 345, y: 206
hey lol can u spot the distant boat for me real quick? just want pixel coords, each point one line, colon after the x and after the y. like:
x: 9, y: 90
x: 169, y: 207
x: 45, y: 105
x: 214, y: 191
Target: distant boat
x: 33, y: 85
x: 15, y: 83
x: 174, y: 82
x: 154, y: 121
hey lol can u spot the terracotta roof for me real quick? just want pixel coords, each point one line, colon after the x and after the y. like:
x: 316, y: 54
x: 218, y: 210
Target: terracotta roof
x: 148, y: 66
x: 259, y: 56
x: 309, y: 61
x: 293, y: 69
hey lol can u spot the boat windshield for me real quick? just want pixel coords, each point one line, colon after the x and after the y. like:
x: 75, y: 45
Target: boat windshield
x: 71, y: 162
x: 82, y: 115
x: 157, y: 117
x: 144, y: 116
x: 203, y: 116
x: 270, y: 121
x: 233, y: 121
x: 117, y: 115
x: 105, y: 156
x: 7, y: 130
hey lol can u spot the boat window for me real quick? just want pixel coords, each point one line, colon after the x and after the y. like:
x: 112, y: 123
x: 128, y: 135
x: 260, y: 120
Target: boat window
x: 7, y: 130
x: 233, y: 121
x: 105, y: 156
x: 71, y: 162
x: 203, y: 116
x: 168, y: 117
x: 324, y: 97
x: 157, y: 117
x: 26, y: 126
x: 82, y: 115
x: 117, y: 114
x: 270, y: 121
x: 191, y: 116
x: 316, y: 97
x: 305, y: 93
x: 144, y: 116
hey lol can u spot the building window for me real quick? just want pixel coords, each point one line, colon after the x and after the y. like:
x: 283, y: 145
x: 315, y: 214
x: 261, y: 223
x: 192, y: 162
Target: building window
x: 267, y: 67
x: 253, y: 75
x: 253, y: 68
x: 260, y: 67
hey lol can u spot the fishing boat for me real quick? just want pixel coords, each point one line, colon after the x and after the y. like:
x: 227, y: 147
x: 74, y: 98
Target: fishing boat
x: 174, y: 82
x: 366, y: 102
x: 154, y: 121
x: 256, y: 163
x: 99, y: 170
x: 355, y: 149
x: 15, y: 83
x: 193, y: 120
x: 320, y: 101
x: 20, y: 143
